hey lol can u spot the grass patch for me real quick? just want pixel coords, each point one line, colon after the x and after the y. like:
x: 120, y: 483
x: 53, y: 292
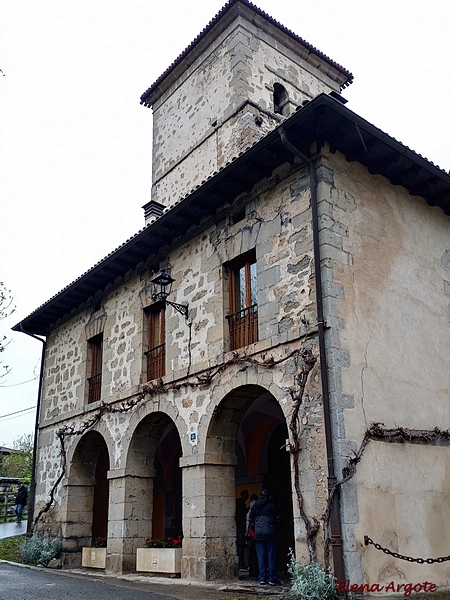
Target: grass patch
x: 9, y: 548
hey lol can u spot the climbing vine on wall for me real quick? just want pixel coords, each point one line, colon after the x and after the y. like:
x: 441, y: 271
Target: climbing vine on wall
x: 151, y: 390
x: 312, y: 525
x: 305, y: 355
x: 377, y: 431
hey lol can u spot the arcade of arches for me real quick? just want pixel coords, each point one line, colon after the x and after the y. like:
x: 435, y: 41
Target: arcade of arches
x: 162, y: 493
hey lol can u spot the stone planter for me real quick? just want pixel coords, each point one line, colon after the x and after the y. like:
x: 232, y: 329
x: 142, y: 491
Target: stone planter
x: 93, y: 557
x: 159, y: 560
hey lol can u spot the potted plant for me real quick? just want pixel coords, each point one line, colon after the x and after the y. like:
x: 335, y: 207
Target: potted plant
x: 160, y: 556
x: 95, y: 555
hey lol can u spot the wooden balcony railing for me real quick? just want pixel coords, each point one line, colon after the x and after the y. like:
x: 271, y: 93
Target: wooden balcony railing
x: 95, y: 388
x: 243, y: 327
x: 156, y: 362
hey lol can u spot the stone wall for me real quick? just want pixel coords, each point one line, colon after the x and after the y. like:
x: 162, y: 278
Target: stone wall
x: 385, y: 271
x: 385, y: 308
x: 223, y: 103
x: 277, y: 225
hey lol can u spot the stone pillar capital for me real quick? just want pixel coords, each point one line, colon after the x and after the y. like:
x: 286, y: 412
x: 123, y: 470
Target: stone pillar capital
x: 75, y: 480
x: 141, y: 472
x: 208, y: 458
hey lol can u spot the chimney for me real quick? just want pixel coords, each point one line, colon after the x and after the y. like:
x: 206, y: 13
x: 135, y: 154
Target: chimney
x: 152, y: 211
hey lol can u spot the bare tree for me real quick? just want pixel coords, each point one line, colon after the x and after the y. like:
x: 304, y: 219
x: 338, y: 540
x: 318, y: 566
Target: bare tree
x: 6, y: 309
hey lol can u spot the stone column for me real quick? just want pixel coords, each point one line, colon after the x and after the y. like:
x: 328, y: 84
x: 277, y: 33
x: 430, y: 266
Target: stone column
x: 76, y: 524
x: 209, y: 527
x: 129, y: 517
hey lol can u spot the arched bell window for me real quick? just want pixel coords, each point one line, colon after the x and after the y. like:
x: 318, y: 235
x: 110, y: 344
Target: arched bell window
x: 280, y: 99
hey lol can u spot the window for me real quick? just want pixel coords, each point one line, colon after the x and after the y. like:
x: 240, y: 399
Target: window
x: 280, y: 99
x: 156, y: 347
x: 243, y: 319
x: 95, y: 360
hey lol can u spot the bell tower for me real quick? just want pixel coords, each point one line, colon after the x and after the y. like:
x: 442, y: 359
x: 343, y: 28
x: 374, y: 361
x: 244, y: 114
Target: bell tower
x: 241, y: 76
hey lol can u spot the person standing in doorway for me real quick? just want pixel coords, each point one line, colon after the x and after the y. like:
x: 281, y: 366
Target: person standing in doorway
x: 20, y: 501
x: 252, y: 558
x: 264, y: 518
x: 241, y: 526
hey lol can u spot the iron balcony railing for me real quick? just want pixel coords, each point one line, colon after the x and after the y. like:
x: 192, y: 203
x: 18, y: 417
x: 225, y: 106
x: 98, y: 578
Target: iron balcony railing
x: 243, y: 327
x: 156, y: 362
x: 95, y: 388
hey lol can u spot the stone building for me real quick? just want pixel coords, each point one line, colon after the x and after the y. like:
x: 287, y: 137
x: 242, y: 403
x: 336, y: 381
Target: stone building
x: 287, y: 240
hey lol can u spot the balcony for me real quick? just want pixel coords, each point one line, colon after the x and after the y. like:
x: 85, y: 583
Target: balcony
x: 243, y: 327
x: 95, y: 388
x: 156, y: 362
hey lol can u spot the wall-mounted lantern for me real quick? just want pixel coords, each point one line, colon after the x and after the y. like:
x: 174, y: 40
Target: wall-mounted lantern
x: 162, y: 287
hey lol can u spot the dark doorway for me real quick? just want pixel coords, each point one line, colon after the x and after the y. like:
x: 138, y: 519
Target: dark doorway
x: 167, y: 491
x: 264, y: 462
x: 278, y: 481
x: 88, y: 499
x: 101, y: 496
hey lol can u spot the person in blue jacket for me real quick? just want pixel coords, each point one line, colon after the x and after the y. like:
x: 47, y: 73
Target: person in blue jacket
x: 263, y: 519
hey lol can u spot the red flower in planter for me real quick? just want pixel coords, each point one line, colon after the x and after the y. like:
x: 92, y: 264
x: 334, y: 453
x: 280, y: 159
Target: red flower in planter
x: 167, y: 543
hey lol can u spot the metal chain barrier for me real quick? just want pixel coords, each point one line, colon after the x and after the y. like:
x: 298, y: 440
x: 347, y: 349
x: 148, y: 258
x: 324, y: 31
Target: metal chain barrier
x: 421, y: 561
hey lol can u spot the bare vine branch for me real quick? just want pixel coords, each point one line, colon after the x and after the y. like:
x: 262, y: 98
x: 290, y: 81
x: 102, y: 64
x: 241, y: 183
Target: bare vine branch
x: 311, y: 525
x: 149, y: 390
x: 377, y: 431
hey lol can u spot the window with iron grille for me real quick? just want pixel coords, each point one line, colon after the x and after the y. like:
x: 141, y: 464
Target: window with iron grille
x: 95, y: 362
x: 156, y: 347
x: 243, y: 318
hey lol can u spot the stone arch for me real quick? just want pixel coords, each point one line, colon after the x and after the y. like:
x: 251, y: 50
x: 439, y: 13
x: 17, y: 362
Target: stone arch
x: 140, y: 419
x: 262, y: 436
x: 156, y: 444
x: 86, y: 492
x: 239, y: 427
x: 258, y: 379
x: 147, y: 490
x: 280, y: 100
x: 227, y: 417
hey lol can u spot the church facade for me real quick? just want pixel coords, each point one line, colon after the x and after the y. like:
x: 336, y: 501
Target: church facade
x: 281, y: 321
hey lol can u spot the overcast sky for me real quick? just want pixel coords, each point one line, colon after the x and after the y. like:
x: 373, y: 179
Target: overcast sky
x: 75, y: 143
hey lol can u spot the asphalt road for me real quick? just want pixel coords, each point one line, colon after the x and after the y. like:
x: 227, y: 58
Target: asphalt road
x: 19, y: 583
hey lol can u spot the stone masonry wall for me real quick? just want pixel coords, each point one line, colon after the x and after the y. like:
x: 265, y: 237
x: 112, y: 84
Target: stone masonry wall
x: 207, y: 117
x: 277, y: 224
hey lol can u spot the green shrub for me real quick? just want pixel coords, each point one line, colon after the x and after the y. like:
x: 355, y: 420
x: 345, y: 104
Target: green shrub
x: 311, y: 581
x: 41, y: 550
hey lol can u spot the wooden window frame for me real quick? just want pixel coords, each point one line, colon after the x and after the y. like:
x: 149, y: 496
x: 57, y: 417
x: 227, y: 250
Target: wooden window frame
x: 94, y: 380
x: 243, y: 320
x: 155, y: 363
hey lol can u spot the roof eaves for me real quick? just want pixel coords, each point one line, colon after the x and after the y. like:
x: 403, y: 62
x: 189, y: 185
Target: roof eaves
x: 381, y: 135
x: 300, y: 123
